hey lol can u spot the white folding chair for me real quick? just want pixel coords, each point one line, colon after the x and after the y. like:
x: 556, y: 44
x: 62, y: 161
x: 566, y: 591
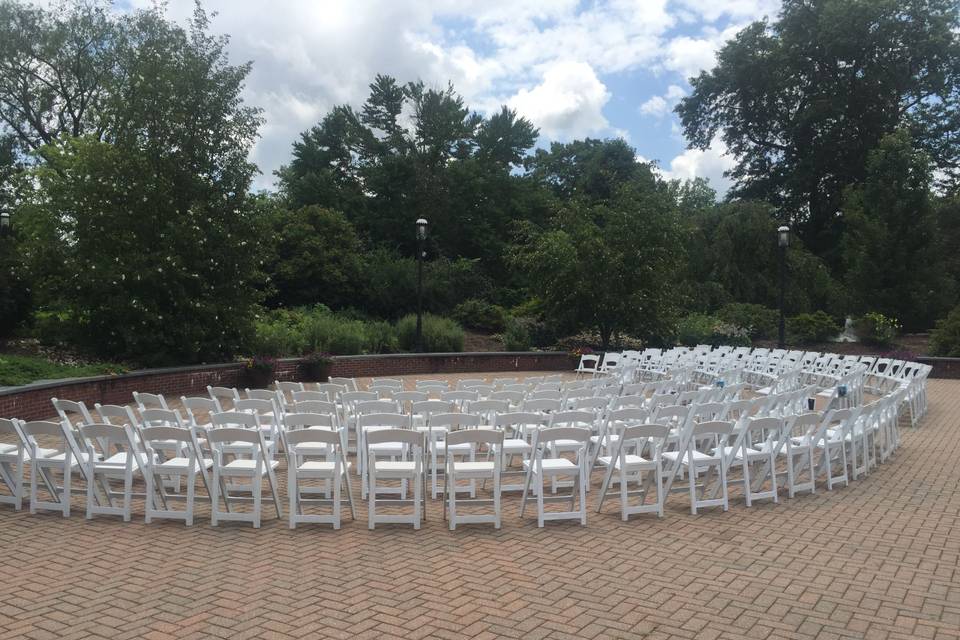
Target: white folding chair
x: 408, y: 469
x: 261, y: 465
x: 119, y: 459
x: 44, y: 462
x: 371, y: 423
x: 473, y: 470
x: 541, y: 467
x: 225, y: 397
x: 705, y: 452
x: 634, y: 466
x: 13, y: 456
x: 187, y: 464
x: 268, y: 417
x: 589, y: 363
x: 518, y: 429
x: 834, y: 439
x: 798, y: 449
x: 756, y: 447
x: 303, y: 466
x: 149, y: 401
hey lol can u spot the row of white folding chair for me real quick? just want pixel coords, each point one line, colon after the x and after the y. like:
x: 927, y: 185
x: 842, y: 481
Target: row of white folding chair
x: 108, y: 452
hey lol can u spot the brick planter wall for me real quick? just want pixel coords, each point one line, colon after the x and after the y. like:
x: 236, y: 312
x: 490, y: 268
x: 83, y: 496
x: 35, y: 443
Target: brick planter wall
x: 32, y: 402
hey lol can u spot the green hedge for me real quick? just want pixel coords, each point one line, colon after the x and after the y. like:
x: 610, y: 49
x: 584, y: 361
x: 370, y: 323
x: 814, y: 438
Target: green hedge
x: 439, y: 334
x: 809, y: 328
x: 302, y: 330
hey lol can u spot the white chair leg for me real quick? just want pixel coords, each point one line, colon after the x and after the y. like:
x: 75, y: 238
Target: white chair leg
x: 371, y: 497
x: 215, y: 497
x: 67, y: 490
x: 127, y: 494
x: 91, y: 477
x: 292, y: 493
x: 191, y: 497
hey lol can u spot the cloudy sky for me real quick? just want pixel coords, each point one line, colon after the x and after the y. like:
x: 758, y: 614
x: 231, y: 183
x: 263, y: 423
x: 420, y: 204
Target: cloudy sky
x: 598, y: 68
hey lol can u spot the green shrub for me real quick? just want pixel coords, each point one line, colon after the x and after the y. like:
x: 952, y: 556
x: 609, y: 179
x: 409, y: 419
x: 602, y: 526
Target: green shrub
x: 517, y: 335
x: 945, y: 338
x: 877, y: 329
x: 695, y: 329
x: 294, y: 332
x: 440, y: 335
x: 808, y: 328
x: 759, y: 321
x: 531, y: 315
x: 481, y: 315
x: 382, y: 337
x: 701, y: 328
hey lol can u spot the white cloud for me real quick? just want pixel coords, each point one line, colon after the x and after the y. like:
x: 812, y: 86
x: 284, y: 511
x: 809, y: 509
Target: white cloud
x: 737, y: 9
x: 710, y: 163
x: 659, y: 106
x: 655, y: 106
x: 688, y: 55
x: 549, y: 58
x: 568, y: 103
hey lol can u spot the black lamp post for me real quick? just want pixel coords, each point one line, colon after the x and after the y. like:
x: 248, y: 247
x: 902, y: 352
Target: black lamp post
x: 4, y: 224
x: 783, y: 241
x: 421, y: 237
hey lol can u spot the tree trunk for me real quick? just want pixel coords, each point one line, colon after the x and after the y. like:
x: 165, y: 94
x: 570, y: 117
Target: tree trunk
x: 605, y: 337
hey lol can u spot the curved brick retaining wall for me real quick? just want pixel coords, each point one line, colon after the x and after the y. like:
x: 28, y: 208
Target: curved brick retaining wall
x: 32, y: 402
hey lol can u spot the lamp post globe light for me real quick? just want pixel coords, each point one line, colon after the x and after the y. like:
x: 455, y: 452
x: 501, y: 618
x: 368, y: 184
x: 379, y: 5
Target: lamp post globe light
x: 783, y: 241
x: 421, y: 237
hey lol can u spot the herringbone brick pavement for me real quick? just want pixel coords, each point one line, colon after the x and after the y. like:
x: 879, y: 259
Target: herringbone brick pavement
x: 876, y: 560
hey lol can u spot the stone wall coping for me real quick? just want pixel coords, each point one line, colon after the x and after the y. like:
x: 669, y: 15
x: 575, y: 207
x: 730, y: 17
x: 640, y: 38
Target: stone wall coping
x: 140, y: 373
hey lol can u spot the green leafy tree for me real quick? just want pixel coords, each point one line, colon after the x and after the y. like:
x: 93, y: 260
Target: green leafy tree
x: 447, y: 164
x: 608, y: 265
x: 734, y: 257
x: 316, y: 258
x: 893, y: 245
x: 591, y: 168
x: 143, y: 232
x: 139, y: 278
x: 802, y: 101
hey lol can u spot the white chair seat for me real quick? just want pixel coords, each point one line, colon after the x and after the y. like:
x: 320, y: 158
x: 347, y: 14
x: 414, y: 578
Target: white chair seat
x: 515, y: 446
x: 181, y: 464
x: 311, y: 449
x: 6, y: 448
x: 321, y: 467
x: 555, y: 465
x: 630, y: 460
x: 387, y: 448
x: 119, y: 460
x: 248, y: 466
x: 752, y: 454
x: 698, y: 456
x: 468, y: 468
x: 389, y: 467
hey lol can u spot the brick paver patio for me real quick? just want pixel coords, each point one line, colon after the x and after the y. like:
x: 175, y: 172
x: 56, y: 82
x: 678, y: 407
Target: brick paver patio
x: 879, y: 559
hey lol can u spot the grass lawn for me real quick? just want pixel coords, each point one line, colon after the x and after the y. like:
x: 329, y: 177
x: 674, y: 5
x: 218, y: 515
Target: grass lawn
x: 18, y: 369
